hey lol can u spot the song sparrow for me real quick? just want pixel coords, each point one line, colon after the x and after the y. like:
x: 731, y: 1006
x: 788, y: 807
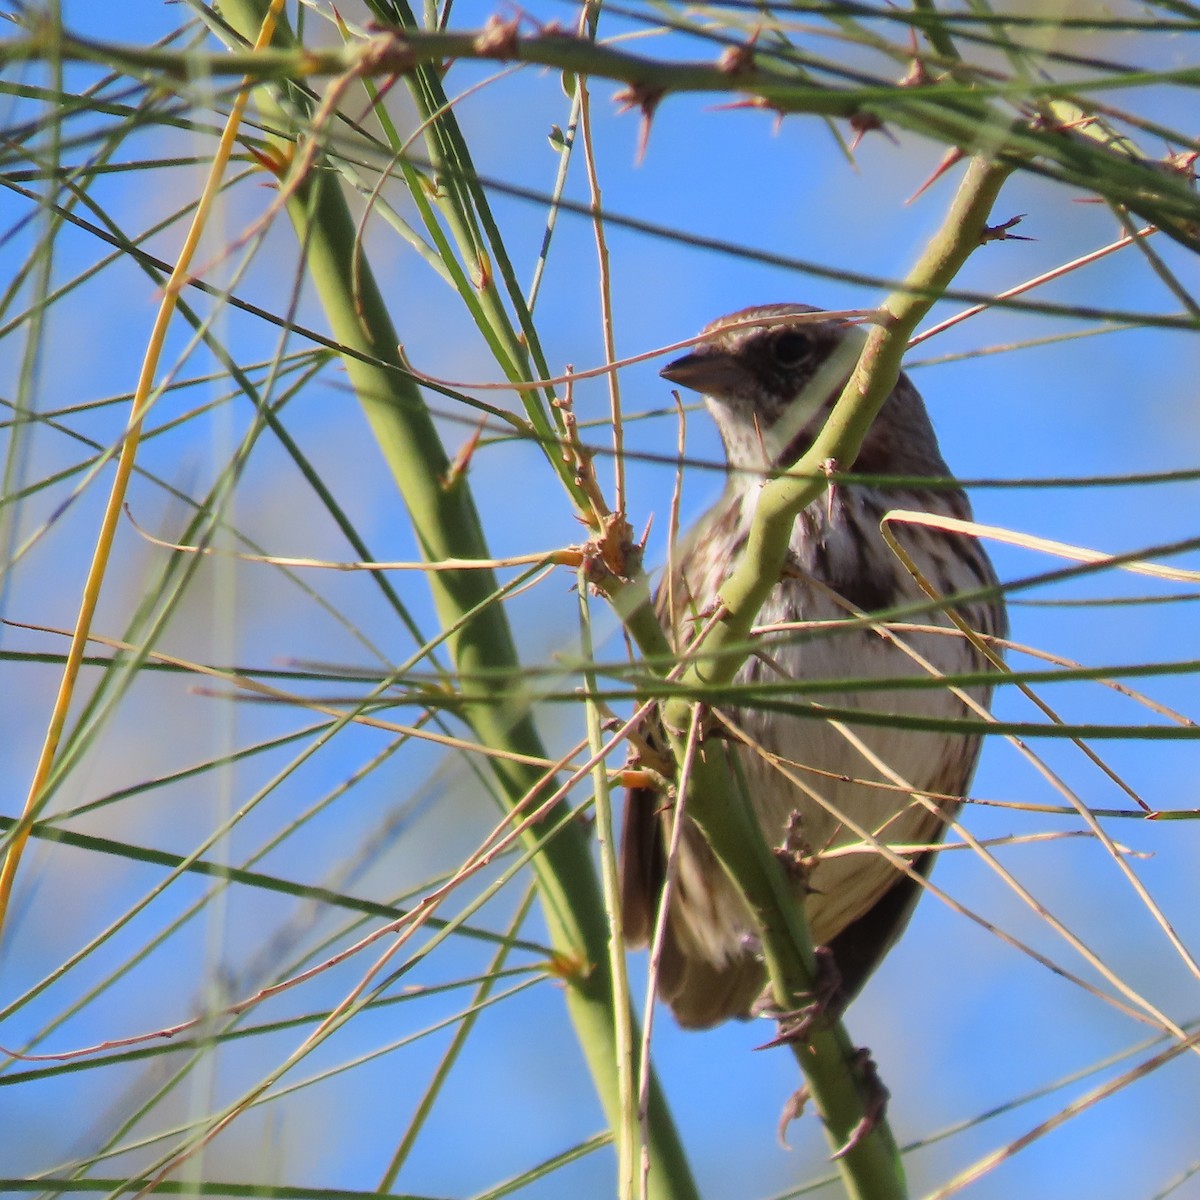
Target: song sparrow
x: 770, y: 384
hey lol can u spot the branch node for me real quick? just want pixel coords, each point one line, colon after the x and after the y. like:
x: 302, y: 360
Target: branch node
x: 569, y: 968
x: 499, y: 38
x: 738, y: 60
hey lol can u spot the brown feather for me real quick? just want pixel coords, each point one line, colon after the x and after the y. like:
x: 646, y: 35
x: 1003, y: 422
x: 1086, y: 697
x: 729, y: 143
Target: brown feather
x: 769, y: 387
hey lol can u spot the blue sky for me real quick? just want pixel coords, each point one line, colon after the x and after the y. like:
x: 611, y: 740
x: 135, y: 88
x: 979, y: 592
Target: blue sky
x: 958, y: 1020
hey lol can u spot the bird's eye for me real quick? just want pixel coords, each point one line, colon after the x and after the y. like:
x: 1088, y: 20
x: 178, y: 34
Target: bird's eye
x: 789, y: 349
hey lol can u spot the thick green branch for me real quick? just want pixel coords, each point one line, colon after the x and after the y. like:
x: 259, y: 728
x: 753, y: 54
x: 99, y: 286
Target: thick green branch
x: 1005, y: 118
x: 832, y: 1067
x: 447, y: 526
x: 396, y: 52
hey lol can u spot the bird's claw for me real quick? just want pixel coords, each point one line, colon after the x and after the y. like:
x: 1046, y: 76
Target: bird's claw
x: 825, y: 1001
x: 793, y: 1110
x: 874, y: 1097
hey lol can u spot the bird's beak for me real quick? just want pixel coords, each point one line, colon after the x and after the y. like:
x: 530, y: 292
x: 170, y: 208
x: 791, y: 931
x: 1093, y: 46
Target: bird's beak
x: 707, y: 370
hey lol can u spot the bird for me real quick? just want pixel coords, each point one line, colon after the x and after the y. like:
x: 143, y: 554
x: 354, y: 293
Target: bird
x: 769, y: 376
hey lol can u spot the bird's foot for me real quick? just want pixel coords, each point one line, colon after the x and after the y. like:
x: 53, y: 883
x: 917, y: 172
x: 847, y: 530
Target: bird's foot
x: 874, y: 1097
x: 825, y: 1002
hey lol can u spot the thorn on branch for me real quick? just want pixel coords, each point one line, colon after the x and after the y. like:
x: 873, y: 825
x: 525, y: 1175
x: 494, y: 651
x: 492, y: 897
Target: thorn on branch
x: 917, y: 75
x: 550, y: 29
x: 1049, y: 122
x: 481, y: 276
x: 270, y: 158
x: 866, y: 122
x: 645, y: 97
x: 829, y: 469
x: 759, y: 103
x: 1182, y: 162
x: 999, y: 233
x: 953, y: 155
x: 462, y: 460
x: 579, y: 458
x: 569, y: 969
x: 641, y: 542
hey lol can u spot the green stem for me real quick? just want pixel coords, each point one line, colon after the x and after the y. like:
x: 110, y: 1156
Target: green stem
x: 834, y: 1073
x: 447, y: 525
